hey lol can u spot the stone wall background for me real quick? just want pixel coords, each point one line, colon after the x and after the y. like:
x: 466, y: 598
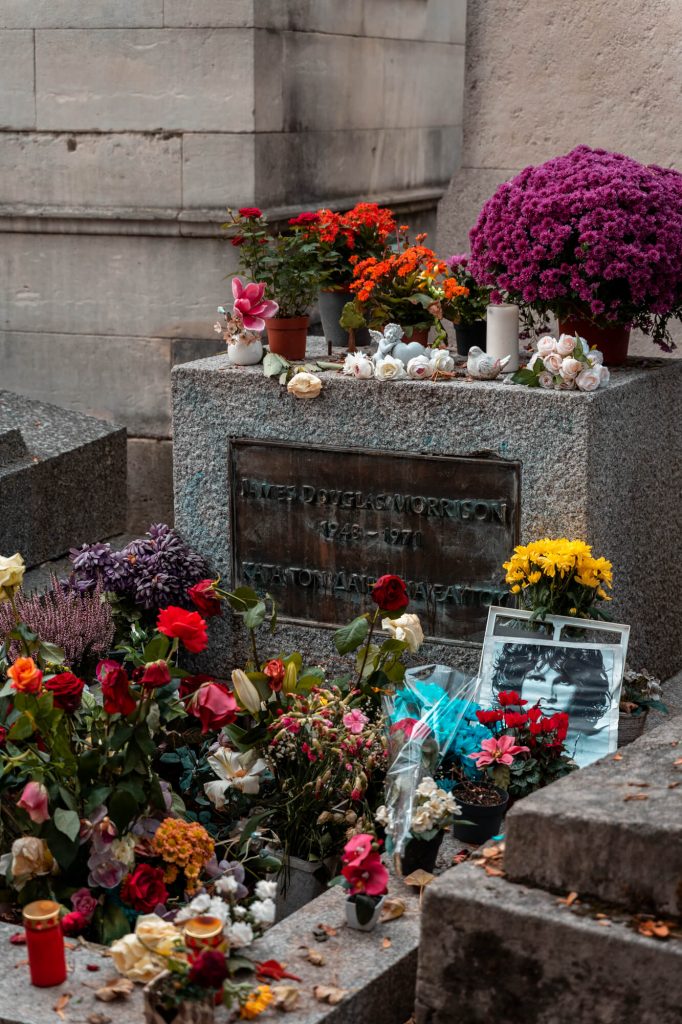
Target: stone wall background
x: 543, y: 76
x: 127, y: 128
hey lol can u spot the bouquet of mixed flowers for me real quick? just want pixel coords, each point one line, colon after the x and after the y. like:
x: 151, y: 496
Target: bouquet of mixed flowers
x: 362, y: 232
x: 559, y: 577
x: 592, y: 234
x: 564, y: 364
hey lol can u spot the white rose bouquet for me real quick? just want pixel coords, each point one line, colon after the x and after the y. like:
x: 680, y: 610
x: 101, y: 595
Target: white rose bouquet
x: 566, y: 364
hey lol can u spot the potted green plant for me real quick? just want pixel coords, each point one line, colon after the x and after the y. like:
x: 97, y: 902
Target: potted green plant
x: 341, y: 237
x: 641, y: 693
x: 287, y: 264
x: 467, y: 309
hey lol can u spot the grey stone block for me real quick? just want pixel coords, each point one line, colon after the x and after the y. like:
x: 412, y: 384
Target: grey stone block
x: 17, y: 81
x: 70, y: 489
x: 436, y: 20
x: 209, y: 13
x: 582, y: 474
x: 144, y: 79
x: 494, y: 951
x: 90, y: 170
x: 150, y: 483
x: 79, y: 14
x: 218, y: 169
x: 612, y: 831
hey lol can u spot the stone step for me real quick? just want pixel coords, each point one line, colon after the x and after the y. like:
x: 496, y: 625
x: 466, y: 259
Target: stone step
x: 495, y: 951
x: 613, y: 830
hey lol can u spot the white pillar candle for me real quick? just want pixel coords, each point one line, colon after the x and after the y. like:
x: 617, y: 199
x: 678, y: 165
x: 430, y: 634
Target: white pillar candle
x: 502, y: 334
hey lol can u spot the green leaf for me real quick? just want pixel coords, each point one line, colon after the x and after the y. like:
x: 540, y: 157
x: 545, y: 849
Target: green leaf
x: 349, y: 637
x: 364, y: 907
x: 22, y: 728
x: 525, y: 376
x: 114, y: 923
x: 351, y: 318
x: 96, y: 798
x: 242, y: 598
x: 321, y: 365
x: 273, y: 364
x: 67, y: 822
x: 123, y: 807
x: 120, y: 735
x: 255, y: 617
x: 156, y: 649
x: 51, y: 654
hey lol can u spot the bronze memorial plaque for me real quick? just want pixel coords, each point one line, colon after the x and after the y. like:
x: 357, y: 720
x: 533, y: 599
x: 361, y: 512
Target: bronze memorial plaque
x: 315, y: 526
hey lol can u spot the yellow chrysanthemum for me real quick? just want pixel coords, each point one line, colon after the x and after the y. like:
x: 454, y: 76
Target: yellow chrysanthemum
x: 256, y: 1002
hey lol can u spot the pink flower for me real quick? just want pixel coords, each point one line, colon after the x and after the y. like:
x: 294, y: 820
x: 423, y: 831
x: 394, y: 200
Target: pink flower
x: 84, y: 902
x: 290, y: 724
x: 249, y: 303
x: 355, y: 721
x: 34, y: 801
x: 497, y: 751
x: 357, y: 849
x: 369, y: 876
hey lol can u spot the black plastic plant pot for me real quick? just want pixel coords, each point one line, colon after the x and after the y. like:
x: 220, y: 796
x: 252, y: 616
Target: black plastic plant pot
x: 468, y: 335
x: 420, y: 853
x: 486, y: 821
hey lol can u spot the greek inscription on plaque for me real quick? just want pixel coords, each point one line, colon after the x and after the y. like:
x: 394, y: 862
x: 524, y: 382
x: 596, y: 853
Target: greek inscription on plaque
x: 316, y: 526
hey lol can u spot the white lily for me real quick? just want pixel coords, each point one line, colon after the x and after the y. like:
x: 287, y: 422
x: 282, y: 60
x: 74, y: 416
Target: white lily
x: 234, y: 772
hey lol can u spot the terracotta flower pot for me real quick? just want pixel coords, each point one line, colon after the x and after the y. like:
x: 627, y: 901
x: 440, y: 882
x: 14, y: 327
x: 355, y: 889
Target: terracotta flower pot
x: 287, y: 336
x: 420, y: 334
x: 611, y: 339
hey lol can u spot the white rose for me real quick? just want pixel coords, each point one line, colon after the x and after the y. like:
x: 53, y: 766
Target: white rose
x: 422, y: 820
x: 546, y: 345
x: 266, y: 890
x: 427, y: 787
x: 442, y: 360
x: 595, y: 357
x: 12, y: 571
x: 420, y: 368
x: 546, y: 380
x: 263, y: 911
x: 570, y: 368
x: 566, y: 384
x: 31, y: 857
x: 389, y: 368
x: 357, y: 364
x: 565, y: 346
x: 406, y: 628
x: 240, y: 934
x: 588, y: 380
x: 304, y: 385
x: 553, y: 362
x: 381, y: 815
x: 604, y: 376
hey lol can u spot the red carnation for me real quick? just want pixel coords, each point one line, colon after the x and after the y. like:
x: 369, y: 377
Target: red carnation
x: 304, y: 219
x: 214, y: 706
x: 250, y: 212
x: 390, y: 593
x: 189, y: 627
x: 489, y: 717
x: 275, y: 670
x: 74, y: 923
x: 209, y: 969
x: 156, y: 673
x: 144, y: 889
x: 203, y: 595
x: 67, y: 691
x: 115, y: 682
x: 510, y: 699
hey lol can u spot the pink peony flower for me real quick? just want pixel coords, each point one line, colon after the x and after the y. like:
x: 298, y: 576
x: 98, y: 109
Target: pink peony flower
x: 502, y: 750
x: 250, y: 304
x: 34, y: 801
x: 355, y: 721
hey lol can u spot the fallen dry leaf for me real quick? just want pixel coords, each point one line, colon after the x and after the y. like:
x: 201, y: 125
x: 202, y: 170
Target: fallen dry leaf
x: 115, y: 988
x: 604, y: 924
x: 678, y: 762
x: 494, y: 872
x: 617, y: 757
x: 673, y: 785
x: 601, y: 917
x: 419, y: 878
x: 636, y: 796
x: 391, y: 909
x: 285, y: 997
x: 315, y: 958
x: 569, y: 900
x: 61, y: 1003
x: 642, y: 785
x: 386, y: 943
x: 98, y: 1018
x: 460, y: 857
x: 329, y: 994
x: 18, y: 938
x: 492, y: 852
x: 328, y: 930
x: 654, y: 929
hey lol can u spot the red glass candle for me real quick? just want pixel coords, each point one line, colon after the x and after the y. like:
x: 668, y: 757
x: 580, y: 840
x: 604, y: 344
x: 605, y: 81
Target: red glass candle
x: 45, y: 943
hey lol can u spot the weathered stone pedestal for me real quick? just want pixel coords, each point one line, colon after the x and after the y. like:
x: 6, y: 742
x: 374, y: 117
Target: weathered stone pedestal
x: 605, y: 467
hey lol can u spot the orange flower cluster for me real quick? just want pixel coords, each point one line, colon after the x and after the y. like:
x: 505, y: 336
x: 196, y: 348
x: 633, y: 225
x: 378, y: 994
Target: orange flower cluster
x: 365, y: 218
x: 453, y: 290
x: 372, y: 273
x: 183, y: 844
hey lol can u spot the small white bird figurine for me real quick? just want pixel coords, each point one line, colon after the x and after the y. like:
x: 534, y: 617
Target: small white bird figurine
x: 481, y: 366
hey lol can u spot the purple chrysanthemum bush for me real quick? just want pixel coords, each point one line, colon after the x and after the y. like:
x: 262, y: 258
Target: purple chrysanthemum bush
x: 593, y: 234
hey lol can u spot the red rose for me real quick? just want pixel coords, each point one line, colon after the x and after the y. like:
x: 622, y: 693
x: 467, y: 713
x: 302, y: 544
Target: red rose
x: 114, y: 680
x: 237, y: 241
x: 510, y: 699
x: 209, y: 969
x: 156, y: 673
x: 190, y: 685
x: 275, y: 670
x: 189, y: 627
x: 74, y: 923
x: 489, y: 717
x: 144, y: 889
x: 304, y: 219
x: 390, y: 593
x: 250, y: 212
x: 515, y: 719
x: 67, y: 691
x: 214, y: 706
x: 204, y: 597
